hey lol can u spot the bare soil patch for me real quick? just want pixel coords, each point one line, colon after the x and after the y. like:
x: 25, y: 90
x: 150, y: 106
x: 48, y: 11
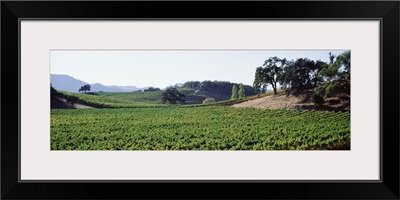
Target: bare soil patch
x: 300, y: 101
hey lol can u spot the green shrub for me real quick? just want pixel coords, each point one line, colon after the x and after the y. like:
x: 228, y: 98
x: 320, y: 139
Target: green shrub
x: 317, y: 99
x: 332, y: 89
x: 208, y: 100
x: 320, y: 90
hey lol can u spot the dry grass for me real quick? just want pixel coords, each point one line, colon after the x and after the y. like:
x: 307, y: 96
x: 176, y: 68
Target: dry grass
x: 301, y: 101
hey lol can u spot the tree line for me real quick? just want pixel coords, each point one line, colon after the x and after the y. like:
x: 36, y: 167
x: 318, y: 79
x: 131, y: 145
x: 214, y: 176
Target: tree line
x: 223, y: 87
x: 327, y: 78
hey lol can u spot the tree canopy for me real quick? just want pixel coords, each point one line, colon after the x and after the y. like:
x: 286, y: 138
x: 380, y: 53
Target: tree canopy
x: 241, y: 92
x: 337, y: 75
x: 151, y: 89
x: 85, y: 88
x: 235, y: 94
x: 327, y: 78
x: 222, y: 87
x: 269, y: 74
x: 172, y: 96
x: 299, y: 74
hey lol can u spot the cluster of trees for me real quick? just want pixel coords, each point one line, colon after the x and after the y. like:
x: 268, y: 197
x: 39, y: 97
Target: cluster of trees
x: 336, y: 76
x: 327, y: 78
x: 151, y: 89
x: 222, y: 87
x: 238, y: 94
x: 84, y: 88
x: 173, y: 96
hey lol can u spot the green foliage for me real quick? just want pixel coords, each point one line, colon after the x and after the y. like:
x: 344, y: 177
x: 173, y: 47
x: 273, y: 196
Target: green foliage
x: 269, y: 74
x: 303, y: 73
x: 333, y: 88
x: 198, y: 128
x: 84, y: 88
x: 137, y: 98
x: 192, y: 84
x: 172, y: 96
x: 151, y: 89
x: 235, y: 94
x: 241, y: 92
x: 120, y: 99
x: 338, y: 68
x: 320, y: 90
x: 327, y: 79
x: 208, y: 100
x: 221, y: 87
x: 315, y: 70
x: 345, y: 61
x: 299, y: 74
x: 317, y: 99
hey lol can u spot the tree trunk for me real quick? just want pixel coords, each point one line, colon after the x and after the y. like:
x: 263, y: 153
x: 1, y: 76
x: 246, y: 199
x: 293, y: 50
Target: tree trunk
x: 274, y: 87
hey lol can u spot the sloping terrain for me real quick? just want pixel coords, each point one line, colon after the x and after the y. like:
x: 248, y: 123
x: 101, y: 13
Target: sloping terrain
x: 137, y: 98
x: 59, y: 100
x: 60, y: 103
x: 300, y: 101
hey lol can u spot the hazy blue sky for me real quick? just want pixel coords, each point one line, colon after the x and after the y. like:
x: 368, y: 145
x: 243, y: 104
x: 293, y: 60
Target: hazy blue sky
x: 164, y: 68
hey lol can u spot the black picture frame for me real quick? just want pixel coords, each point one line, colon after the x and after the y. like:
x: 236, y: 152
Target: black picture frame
x: 386, y: 11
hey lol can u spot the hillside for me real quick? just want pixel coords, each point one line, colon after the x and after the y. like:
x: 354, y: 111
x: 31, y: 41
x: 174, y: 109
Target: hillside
x: 58, y: 101
x: 221, y: 91
x: 61, y: 100
x: 132, y: 99
x: 297, y: 102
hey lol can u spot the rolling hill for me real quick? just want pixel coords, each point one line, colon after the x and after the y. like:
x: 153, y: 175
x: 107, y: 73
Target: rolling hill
x: 70, y: 84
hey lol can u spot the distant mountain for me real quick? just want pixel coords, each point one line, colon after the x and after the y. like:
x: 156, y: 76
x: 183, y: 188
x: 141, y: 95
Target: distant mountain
x: 112, y: 88
x: 66, y: 83
x: 71, y: 84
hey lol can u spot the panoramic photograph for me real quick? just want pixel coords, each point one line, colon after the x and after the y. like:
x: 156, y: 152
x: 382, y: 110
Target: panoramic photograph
x: 163, y: 100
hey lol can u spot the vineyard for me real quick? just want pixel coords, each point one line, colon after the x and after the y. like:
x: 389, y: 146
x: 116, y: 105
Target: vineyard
x: 132, y: 99
x: 194, y: 128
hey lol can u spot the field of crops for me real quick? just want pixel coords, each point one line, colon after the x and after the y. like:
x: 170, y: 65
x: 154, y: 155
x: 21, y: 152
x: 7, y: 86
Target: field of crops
x: 132, y: 99
x: 197, y: 128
